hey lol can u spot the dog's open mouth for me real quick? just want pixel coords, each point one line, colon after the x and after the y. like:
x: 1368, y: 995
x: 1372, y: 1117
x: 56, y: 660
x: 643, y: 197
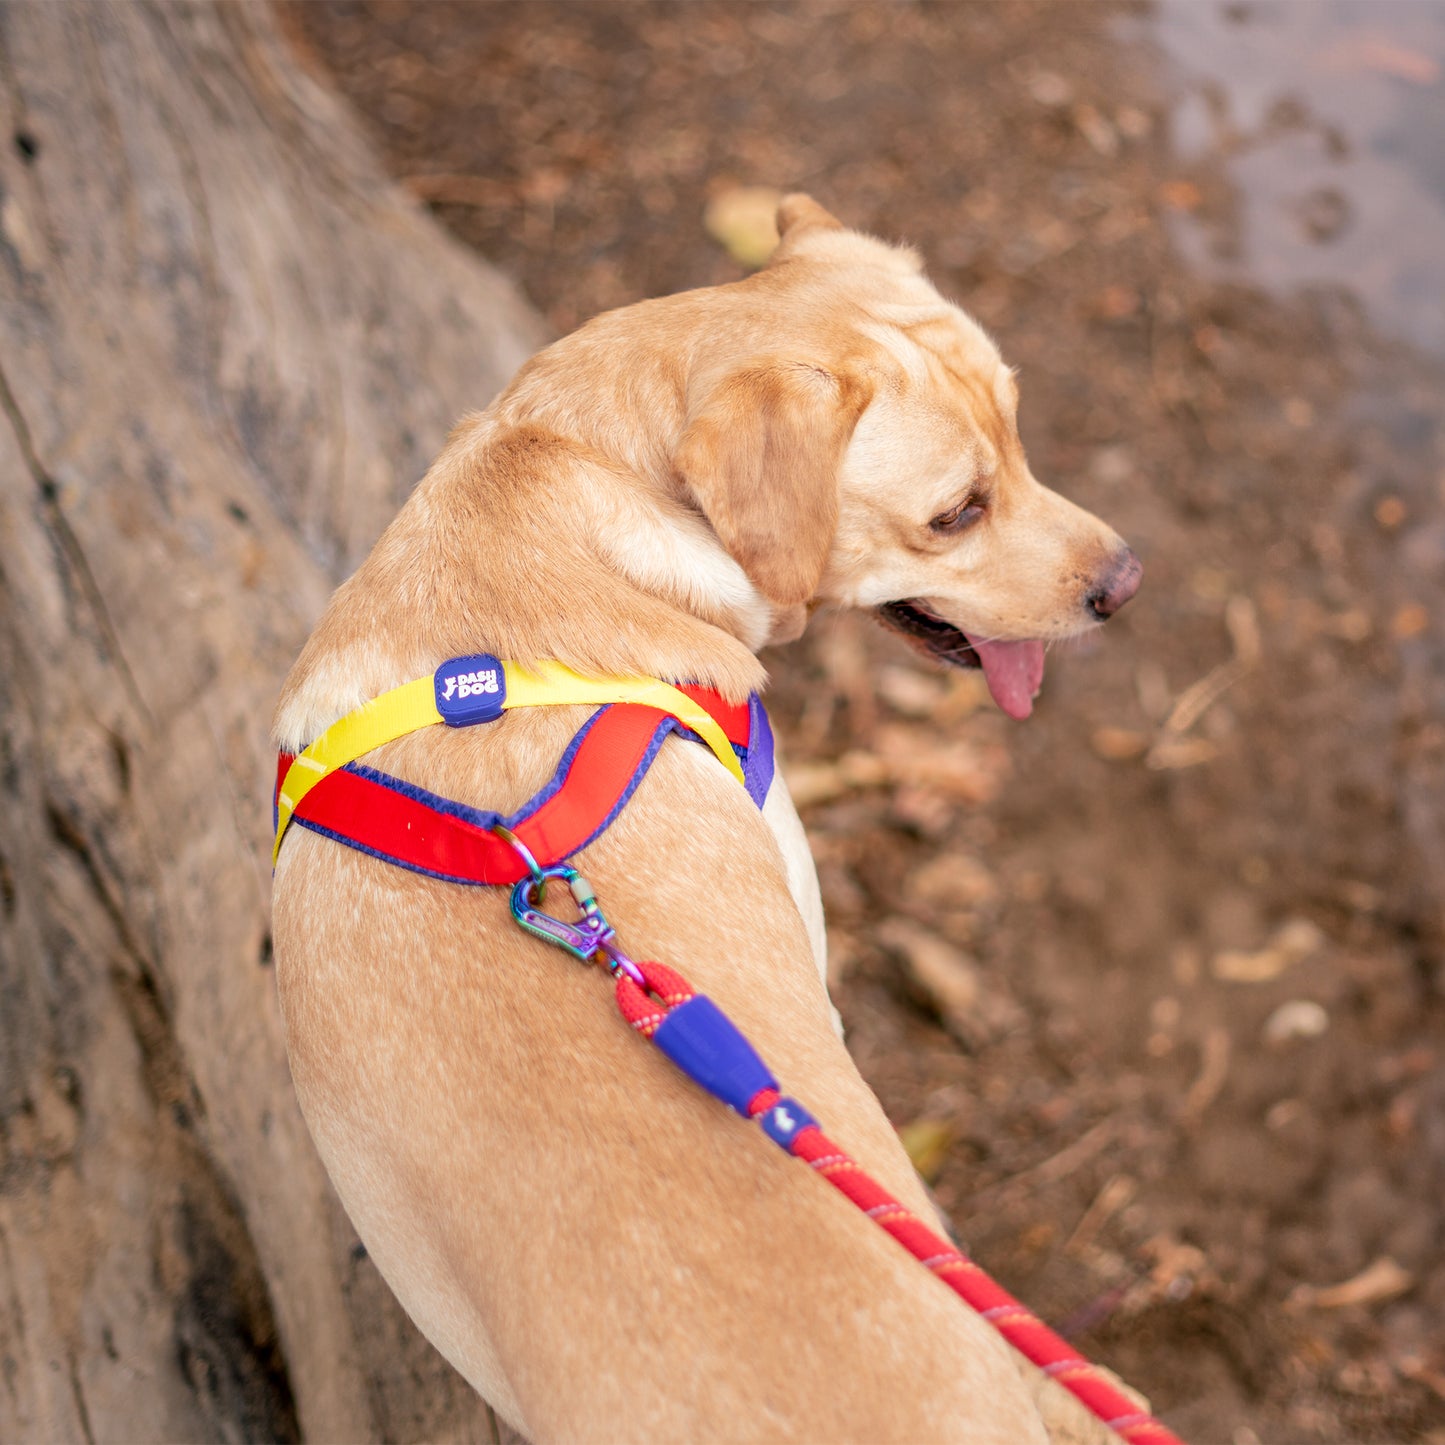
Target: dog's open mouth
x: 1013, y: 670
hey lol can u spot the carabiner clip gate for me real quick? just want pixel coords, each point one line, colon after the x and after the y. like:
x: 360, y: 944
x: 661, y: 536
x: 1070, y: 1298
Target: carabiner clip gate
x: 590, y: 935
x: 583, y: 938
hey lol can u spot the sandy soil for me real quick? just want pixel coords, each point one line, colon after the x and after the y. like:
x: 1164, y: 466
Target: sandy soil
x: 1153, y: 982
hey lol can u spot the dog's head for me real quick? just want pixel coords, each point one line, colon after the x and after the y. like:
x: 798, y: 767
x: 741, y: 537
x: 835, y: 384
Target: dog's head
x: 865, y: 452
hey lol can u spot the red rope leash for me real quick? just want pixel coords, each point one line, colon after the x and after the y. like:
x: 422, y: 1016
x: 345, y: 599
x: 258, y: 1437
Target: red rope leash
x: 698, y: 1037
x: 707, y: 1046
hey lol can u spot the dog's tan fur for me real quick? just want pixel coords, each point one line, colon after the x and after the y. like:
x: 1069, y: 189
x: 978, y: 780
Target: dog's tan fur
x: 600, y: 1248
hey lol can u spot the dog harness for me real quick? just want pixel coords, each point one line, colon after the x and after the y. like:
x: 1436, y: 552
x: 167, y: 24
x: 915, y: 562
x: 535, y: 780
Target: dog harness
x: 325, y: 788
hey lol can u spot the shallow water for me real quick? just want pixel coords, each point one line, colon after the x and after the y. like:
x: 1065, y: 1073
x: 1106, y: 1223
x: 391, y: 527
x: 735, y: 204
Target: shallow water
x: 1329, y: 119
x: 1325, y: 121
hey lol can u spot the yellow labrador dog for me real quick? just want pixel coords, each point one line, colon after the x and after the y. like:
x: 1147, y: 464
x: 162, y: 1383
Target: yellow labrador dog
x: 604, y: 1251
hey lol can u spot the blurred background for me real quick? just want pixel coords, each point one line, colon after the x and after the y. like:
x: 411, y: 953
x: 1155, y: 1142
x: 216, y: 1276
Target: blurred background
x: 1153, y: 983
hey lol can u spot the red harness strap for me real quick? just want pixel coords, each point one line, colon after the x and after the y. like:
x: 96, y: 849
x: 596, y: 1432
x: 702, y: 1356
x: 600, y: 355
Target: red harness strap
x: 408, y: 826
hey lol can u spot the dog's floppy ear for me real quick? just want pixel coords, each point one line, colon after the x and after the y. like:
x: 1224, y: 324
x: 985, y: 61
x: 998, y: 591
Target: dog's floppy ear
x: 800, y: 212
x: 761, y: 457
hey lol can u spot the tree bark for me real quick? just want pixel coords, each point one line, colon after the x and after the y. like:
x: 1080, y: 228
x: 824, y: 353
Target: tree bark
x: 227, y: 348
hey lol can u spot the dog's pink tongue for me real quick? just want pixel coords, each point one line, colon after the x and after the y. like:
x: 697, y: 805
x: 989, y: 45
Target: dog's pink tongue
x: 1014, y: 671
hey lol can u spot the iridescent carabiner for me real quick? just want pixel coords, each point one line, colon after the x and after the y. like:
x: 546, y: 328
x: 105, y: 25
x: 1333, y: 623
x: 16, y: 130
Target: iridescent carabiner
x: 590, y: 935
x: 583, y: 938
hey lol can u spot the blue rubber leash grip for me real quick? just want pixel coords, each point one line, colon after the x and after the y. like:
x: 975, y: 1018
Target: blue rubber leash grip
x: 707, y: 1046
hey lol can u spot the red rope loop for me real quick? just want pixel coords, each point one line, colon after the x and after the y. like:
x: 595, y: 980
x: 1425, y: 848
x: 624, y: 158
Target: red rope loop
x: 645, y: 1011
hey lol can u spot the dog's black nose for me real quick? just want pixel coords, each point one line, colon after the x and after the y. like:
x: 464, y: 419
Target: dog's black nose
x: 1120, y: 585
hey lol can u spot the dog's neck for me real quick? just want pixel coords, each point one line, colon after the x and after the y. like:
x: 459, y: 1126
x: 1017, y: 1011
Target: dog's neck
x: 529, y: 545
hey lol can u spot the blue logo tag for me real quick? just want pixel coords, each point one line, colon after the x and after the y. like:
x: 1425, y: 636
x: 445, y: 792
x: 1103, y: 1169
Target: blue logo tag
x: 785, y: 1121
x: 470, y: 689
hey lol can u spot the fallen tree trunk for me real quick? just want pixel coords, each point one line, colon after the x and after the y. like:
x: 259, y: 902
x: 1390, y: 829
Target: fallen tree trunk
x: 227, y: 348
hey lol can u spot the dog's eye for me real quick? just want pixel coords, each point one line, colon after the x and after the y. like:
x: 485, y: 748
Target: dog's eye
x: 955, y: 519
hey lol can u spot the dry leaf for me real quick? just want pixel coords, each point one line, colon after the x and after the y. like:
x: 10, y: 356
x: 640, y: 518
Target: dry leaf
x: 967, y: 692
x: 1383, y: 1280
x: 1049, y: 89
x: 1293, y: 942
x: 811, y: 783
x: 744, y: 220
x: 946, y: 976
x: 1300, y: 1018
x: 1116, y: 1193
x: 1242, y: 622
x: 1199, y: 697
x: 1389, y: 512
x: 1232, y: 966
x: 1352, y: 625
x: 922, y: 757
x: 1174, y: 1263
x: 1410, y: 621
x: 1181, y: 195
x: 945, y: 973
x: 952, y: 880
x: 1171, y: 753
x: 926, y: 1142
x: 1098, y: 131
x: 908, y: 691
x: 1119, y: 745
x: 1213, y: 1075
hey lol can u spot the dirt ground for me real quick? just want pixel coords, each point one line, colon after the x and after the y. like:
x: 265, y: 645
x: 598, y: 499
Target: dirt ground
x: 1152, y: 982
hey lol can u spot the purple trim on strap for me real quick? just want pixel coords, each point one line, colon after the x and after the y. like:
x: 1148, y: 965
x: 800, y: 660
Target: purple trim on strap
x: 759, y: 763
x: 481, y: 817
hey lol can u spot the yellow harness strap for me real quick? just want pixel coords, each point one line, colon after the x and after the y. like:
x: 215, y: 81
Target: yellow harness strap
x: 412, y: 706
